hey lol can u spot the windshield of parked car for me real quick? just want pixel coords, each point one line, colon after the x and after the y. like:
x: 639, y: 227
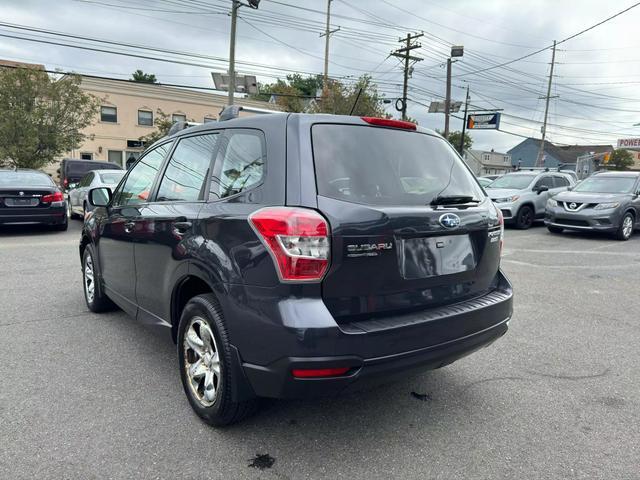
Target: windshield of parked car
x: 27, y: 179
x: 606, y: 184
x: 111, y: 178
x: 515, y: 182
x: 383, y: 166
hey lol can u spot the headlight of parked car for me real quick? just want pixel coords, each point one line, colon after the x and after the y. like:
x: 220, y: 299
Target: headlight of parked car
x: 551, y: 203
x: 605, y: 206
x: 507, y: 199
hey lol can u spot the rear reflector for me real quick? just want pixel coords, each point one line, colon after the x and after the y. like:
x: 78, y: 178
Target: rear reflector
x: 297, y: 239
x: 386, y: 122
x: 320, y: 372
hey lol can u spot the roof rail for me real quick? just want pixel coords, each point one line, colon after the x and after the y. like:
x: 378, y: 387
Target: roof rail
x: 179, y: 126
x: 233, y: 111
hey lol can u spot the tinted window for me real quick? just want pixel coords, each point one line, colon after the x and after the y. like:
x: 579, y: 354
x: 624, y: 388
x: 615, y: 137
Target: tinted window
x: 560, y: 182
x: 602, y: 184
x: 36, y: 179
x: 545, y: 182
x: 516, y: 181
x: 108, y: 114
x: 240, y: 163
x: 384, y: 166
x: 187, y: 170
x: 86, y: 180
x: 111, y: 178
x: 137, y: 187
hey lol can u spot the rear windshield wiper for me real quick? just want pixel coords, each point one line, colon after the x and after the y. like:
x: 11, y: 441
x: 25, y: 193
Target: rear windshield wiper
x: 453, y: 200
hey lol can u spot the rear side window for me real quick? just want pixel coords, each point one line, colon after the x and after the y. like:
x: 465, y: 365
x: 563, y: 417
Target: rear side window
x: 560, y: 181
x: 545, y: 182
x: 382, y: 166
x: 240, y: 164
x: 187, y: 170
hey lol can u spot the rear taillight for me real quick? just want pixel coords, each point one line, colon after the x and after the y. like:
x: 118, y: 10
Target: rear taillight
x: 66, y: 183
x: 297, y: 239
x: 54, y: 197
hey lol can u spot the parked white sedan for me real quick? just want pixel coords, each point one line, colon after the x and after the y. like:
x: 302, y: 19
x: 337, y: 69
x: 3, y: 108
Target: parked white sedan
x: 78, y: 204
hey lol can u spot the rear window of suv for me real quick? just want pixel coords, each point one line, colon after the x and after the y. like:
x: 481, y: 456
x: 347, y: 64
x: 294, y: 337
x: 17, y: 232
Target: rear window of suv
x: 383, y: 166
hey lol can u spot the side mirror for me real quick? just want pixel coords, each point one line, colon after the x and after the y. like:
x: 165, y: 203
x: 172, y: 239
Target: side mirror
x: 100, y: 197
x: 540, y: 189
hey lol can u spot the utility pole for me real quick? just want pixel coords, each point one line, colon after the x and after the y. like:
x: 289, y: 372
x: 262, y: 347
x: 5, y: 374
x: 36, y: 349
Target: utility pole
x: 405, y: 54
x: 327, y: 33
x: 540, y: 159
x: 447, y: 101
x: 232, y: 50
x: 464, y: 123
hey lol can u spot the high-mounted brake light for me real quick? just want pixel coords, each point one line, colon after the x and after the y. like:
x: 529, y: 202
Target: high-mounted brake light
x: 52, y: 198
x: 387, y: 122
x: 297, y: 239
x: 320, y: 372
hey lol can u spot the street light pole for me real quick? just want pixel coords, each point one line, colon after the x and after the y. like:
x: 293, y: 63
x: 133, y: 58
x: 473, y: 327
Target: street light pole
x: 232, y: 51
x: 447, y: 101
x: 464, y: 122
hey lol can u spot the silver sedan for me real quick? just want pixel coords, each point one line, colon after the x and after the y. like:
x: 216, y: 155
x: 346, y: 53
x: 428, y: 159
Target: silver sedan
x: 78, y: 204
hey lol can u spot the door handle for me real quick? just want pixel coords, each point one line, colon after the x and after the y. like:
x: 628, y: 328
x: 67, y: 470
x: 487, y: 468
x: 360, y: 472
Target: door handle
x: 128, y: 227
x: 182, y: 227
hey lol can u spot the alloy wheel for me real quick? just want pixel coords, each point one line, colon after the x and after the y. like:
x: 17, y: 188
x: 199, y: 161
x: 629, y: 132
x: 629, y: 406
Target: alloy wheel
x: 627, y: 226
x: 201, y: 361
x: 89, y: 279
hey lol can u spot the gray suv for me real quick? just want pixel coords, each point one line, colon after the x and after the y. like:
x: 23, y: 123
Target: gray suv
x: 606, y: 202
x: 522, y: 196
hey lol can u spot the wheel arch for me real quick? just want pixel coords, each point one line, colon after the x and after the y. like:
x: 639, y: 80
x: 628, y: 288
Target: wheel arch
x: 185, y: 289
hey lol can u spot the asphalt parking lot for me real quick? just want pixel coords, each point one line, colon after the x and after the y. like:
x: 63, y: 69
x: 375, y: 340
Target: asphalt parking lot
x: 99, y: 396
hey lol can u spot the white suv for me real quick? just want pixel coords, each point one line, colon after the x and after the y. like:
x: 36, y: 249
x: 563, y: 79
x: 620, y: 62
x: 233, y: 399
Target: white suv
x: 522, y: 196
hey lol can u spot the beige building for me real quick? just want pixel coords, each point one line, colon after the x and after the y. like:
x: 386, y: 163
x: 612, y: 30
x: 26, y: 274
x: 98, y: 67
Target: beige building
x: 488, y: 163
x: 128, y: 111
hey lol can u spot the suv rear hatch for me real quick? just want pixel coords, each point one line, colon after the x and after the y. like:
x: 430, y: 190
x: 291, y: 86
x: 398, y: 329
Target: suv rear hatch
x: 410, y: 227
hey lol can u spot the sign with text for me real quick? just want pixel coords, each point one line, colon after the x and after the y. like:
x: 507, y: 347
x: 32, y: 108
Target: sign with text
x: 484, y: 121
x: 629, y: 143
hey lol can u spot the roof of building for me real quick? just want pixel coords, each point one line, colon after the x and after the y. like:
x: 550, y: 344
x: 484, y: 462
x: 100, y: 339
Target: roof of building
x: 12, y: 63
x: 567, y: 153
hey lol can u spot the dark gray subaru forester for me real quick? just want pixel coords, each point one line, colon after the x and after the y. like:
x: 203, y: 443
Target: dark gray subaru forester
x: 297, y: 255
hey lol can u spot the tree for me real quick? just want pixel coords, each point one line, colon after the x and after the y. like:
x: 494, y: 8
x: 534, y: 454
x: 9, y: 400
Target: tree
x: 141, y: 77
x: 340, y: 99
x: 42, y: 117
x: 163, y: 123
x: 620, y: 159
x: 454, y: 139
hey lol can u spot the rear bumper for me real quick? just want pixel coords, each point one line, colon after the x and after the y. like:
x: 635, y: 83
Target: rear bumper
x: 378, y: 350
x: 50, y: 215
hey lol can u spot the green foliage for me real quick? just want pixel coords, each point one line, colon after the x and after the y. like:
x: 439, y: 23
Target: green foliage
x: 141, y: 77
x: 42, y: 117
x: 620, y: 159
x: 454, y: 139
x: 295, y: 94
x: 163, y: 123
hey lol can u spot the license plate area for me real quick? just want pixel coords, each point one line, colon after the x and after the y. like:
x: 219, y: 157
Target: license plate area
x: 433, y: 256
x: 21, y: 202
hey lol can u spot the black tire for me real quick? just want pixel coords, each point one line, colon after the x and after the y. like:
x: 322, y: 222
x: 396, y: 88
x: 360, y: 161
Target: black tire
x: 553, y: 229
x: 524, y: 218
x: 624, y: 232
x: 100, y: 302
x: 223, y: 409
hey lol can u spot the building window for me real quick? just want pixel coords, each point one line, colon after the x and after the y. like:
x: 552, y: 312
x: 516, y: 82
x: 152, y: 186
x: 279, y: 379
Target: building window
x: 486, y: 157
x: 145, y: 117
x: 209, y: 119
x: 178, y: 117
x: 507, y: 159
x: 86, y: 156
x: 115, y: 156
x: 109, y: 114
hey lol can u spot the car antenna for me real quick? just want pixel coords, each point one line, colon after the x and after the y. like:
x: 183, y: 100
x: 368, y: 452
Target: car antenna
x: 355, y: 103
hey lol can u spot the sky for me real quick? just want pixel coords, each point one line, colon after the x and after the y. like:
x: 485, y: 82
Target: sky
x: 594, y: 92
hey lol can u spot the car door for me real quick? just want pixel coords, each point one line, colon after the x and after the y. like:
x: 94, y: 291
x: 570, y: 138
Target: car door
x: 166, y: 225
x: 77, y: 194
x: 115, y: 249
x: 540, y: 199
